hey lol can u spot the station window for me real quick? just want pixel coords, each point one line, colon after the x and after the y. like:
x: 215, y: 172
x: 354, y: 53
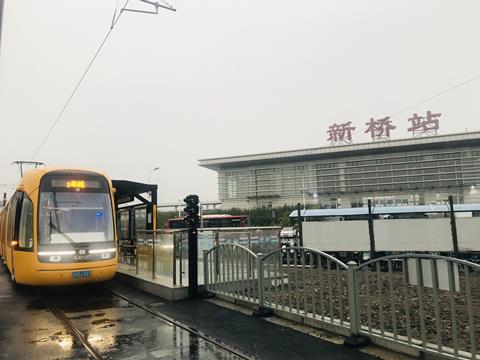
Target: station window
x: 25, y: 233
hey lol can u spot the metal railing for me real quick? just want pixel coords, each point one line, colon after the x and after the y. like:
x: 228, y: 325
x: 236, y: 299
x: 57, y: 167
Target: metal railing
x: 163, y: 254
x: 232, y: 270
x: 306, y: 282
x: 254, y: 238
x: 426, y: 302
x: 153, y: 254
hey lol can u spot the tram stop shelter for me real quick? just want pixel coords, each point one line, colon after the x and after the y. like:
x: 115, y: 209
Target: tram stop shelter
x: 136, y: 212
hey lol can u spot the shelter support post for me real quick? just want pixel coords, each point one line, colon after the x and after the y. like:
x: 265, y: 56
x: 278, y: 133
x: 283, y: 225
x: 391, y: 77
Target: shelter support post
x: 371, y: 232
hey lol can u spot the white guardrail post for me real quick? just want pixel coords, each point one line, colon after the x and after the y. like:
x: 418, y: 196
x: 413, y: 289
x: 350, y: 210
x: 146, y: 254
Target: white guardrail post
x: 261, y: 287
x: 355, y: 339
x: 261, y: 311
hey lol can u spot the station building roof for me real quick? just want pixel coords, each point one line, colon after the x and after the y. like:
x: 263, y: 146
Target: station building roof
x: 385, y: 210
x: 411, y: 144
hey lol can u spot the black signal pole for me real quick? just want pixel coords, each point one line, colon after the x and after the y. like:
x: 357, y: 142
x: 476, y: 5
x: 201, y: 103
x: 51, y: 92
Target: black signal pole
x: 453, y: 225
x: 371, y: 231
x: 193, y: 220
x: 300, y: 227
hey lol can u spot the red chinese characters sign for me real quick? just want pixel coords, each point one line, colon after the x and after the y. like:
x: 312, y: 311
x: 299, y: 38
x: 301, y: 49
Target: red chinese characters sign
x: 340, y: 133
x: 428, y: 125
x: 380, y: 129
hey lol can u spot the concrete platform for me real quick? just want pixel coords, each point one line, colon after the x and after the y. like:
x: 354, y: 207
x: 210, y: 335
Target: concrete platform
x: 160, y: 286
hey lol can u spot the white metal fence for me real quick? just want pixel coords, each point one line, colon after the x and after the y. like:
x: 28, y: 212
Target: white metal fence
x: 232, y: 270
x: 426, y: 302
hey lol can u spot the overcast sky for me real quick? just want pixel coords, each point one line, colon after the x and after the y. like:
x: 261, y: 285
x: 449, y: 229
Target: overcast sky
x: 219, y: 78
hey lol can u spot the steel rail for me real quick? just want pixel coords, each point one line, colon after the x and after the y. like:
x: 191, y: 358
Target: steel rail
x: 182, y: 326
x: 73, y: 329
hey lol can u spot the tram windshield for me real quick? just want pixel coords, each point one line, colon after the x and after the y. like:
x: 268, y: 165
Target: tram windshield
x: 75, y: 211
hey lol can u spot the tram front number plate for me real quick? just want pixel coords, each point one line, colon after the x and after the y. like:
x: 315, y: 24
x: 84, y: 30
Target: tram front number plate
x: 81, y: 274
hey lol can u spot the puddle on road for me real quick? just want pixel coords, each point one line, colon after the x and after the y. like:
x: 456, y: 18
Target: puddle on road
x: 28, y: 331
x: 81, y: 317
x: 60, y: 336
x: 105, y: 321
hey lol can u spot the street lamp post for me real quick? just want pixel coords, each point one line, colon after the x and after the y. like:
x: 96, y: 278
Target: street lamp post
x: 148, y: 178
x: 150, y: 173
x: 310, y: 193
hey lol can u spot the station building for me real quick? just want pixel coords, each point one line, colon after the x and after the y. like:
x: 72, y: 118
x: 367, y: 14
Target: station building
x: 415, y: 171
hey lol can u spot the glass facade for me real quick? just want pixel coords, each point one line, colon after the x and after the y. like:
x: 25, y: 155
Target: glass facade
x: 390, y: 178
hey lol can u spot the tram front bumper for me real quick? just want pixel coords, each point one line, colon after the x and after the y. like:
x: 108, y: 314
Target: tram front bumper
x: 70, y: 276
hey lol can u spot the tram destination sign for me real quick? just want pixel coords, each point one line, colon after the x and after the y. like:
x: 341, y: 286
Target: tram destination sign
x: 380, y: 129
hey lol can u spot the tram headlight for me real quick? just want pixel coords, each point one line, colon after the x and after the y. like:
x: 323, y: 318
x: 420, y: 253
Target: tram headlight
x: 55, y: 258
x: 104, y: 253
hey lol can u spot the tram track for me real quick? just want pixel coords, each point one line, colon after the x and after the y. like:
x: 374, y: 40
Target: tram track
x: 75, y: 331
x: 183, y: 326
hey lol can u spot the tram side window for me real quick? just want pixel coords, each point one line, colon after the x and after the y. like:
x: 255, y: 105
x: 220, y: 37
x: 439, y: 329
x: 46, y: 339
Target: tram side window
x: 5, y: 225
x: 10, y: 219
x: 25, y: 233
x: 10, y: 226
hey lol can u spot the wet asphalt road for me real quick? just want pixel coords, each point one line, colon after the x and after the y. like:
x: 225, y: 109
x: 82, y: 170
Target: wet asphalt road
x: 115, y: 328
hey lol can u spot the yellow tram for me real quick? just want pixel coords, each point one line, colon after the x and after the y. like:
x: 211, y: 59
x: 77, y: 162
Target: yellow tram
x: 58, y: 228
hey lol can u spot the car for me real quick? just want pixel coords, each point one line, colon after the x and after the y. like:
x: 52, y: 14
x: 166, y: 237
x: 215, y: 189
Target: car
x: 288, y: 232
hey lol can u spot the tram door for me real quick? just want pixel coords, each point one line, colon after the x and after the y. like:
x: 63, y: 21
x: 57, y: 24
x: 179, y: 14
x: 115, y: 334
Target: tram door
x: 11, y: 239
x: 9, y: 227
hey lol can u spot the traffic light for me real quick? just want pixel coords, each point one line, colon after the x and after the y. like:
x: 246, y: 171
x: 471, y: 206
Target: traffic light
x: 192, y: 209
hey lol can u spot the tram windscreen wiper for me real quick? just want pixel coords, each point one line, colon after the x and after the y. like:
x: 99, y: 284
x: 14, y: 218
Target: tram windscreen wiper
x: 57, y: 229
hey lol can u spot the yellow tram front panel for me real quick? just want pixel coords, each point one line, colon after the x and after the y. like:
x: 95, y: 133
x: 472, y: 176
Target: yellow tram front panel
x: 60, y: 228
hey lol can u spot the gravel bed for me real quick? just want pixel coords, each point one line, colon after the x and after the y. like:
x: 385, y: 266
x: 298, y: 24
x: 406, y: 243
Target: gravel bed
x: 308, y: 289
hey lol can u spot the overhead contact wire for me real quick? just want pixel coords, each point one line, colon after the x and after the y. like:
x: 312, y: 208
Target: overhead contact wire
x: 69, y: 99
x: 436, y: 95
